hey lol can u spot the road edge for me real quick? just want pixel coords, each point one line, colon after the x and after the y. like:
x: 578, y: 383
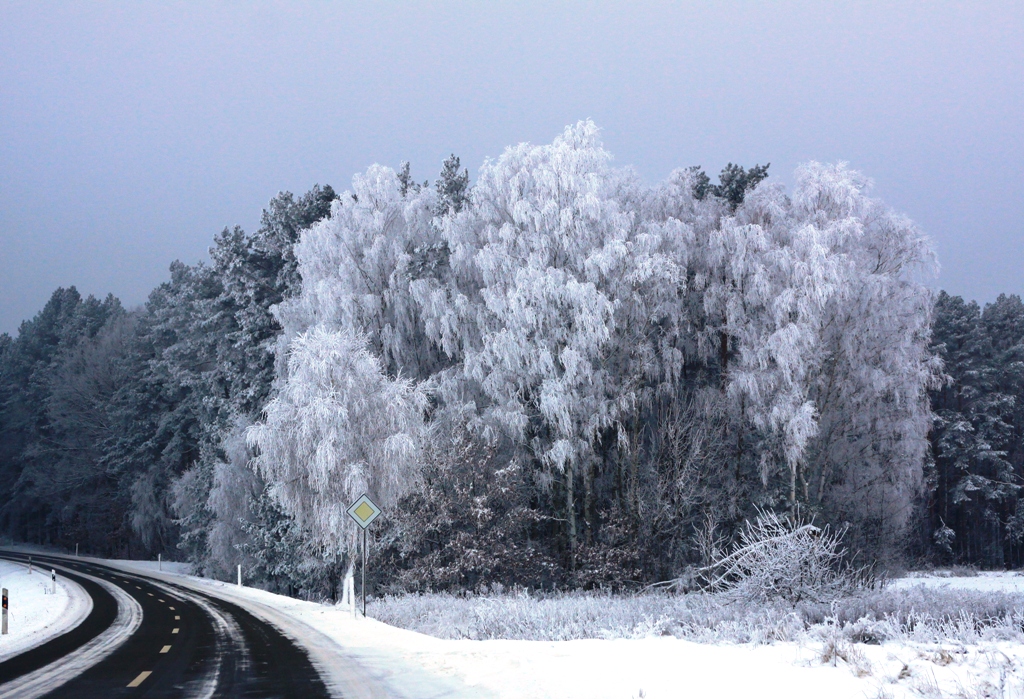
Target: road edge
x: 343, y: 677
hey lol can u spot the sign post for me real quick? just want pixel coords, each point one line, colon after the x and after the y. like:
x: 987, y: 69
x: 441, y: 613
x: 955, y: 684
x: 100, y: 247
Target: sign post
x: 53, y: 581
x: 363, y: 511
x: 4, y: 623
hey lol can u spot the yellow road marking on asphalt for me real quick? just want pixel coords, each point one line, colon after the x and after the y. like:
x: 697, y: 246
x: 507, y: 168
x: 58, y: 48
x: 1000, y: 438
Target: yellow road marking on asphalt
x: 151, y: 594
x: 137, y: 587
x: 177, y: 618
x: 171, y: 608
x: 162, y: 602
x: 165, y: 649
x: 174, y: 631
x: 140, y: 679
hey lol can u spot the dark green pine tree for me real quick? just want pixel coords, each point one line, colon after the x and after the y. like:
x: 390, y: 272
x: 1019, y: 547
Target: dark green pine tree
x: 452, y: 187
x: 734, y: 182
x: 47, y: 476
x: 976, y: 440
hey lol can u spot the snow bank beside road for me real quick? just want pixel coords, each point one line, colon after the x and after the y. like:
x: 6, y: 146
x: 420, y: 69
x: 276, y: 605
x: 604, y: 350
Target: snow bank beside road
x: 35, y: 615
x: 415, y: 666
x: 153, y: 566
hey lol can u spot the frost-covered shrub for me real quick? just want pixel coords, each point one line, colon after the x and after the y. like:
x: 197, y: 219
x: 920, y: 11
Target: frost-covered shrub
x: 568, y: 616
x: 781, y: 558
x: 470, y: 526
x: 520, y: 615
x: 933, y: 615
x: 870, y: 631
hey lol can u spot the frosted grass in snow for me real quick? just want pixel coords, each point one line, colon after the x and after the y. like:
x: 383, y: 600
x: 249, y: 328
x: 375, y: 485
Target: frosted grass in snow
x: 916, y: 614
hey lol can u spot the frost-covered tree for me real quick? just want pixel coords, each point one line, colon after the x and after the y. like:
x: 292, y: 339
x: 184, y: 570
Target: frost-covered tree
x: 975, y: 509
x: 623, y: 365
x: 211, y: 337
x: 871, y: 389
x: 537, y: 259
x: 339, y: 427
x: 452, y: 187
x: 257, y: 273
x: 733, y: 183
x: 357, y: 266
x: 56, y: 379
x: 234, y: 487
x: 816, y: 304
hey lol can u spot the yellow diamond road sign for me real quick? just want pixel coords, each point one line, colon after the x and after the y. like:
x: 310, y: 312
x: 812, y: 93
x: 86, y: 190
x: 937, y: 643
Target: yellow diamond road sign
x: 363, y: 511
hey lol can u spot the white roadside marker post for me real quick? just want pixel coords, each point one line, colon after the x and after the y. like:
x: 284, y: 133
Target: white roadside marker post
x: 53, y: 581
x: 4, y: 623
x: 30, y: 565
x: 76, y: 550
x: 159, y: 562
x: 239, y: 574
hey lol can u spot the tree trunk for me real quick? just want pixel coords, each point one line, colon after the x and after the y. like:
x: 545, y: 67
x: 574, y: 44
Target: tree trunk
x: 739, y: 442
x: 633, y: 487
x: 723, y: 354
x: 793, y: 469
x: 570, y: 504
x: 588, y: 500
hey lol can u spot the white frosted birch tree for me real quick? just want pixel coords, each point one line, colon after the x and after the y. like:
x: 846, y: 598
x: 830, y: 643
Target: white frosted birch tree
x: 821, y: 299
x: 871, y: 389
x: 339, y: 427
x: 536, y: 258
x: 233, y: 487
x: 357, y: 265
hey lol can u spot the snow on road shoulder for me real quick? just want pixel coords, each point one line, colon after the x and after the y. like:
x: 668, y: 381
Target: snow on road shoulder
x: 35, y: 616
x: 389, y: 668
x: 150, y: 566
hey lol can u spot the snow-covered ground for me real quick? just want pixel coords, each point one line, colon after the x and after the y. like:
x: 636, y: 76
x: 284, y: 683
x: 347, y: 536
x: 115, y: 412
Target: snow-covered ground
x: 154, y: 566
x: 36, y: 615
x: 983, y: 581
x: 417, y: 666
x: 410, y: 664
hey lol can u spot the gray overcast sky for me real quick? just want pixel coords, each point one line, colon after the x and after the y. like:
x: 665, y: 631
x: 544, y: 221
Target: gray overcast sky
x: 131, y: 133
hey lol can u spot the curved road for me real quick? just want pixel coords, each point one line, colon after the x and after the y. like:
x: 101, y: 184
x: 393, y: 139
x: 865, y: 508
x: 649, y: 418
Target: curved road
x: 188, y: 644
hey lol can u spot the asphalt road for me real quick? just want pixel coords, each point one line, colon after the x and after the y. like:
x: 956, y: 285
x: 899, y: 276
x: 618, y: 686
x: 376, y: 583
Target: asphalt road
x: 188, y: 644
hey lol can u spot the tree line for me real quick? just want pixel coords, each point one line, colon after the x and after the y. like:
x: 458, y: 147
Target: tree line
x: 559, y: 376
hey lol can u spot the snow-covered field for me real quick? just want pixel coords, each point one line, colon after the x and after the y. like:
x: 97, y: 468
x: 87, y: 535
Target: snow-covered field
x: 35, y: 615
x: 818, y: 663
x: 983, y: 581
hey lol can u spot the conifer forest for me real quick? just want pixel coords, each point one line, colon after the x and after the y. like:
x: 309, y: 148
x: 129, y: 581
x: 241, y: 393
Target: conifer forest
x: 556, y: 376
